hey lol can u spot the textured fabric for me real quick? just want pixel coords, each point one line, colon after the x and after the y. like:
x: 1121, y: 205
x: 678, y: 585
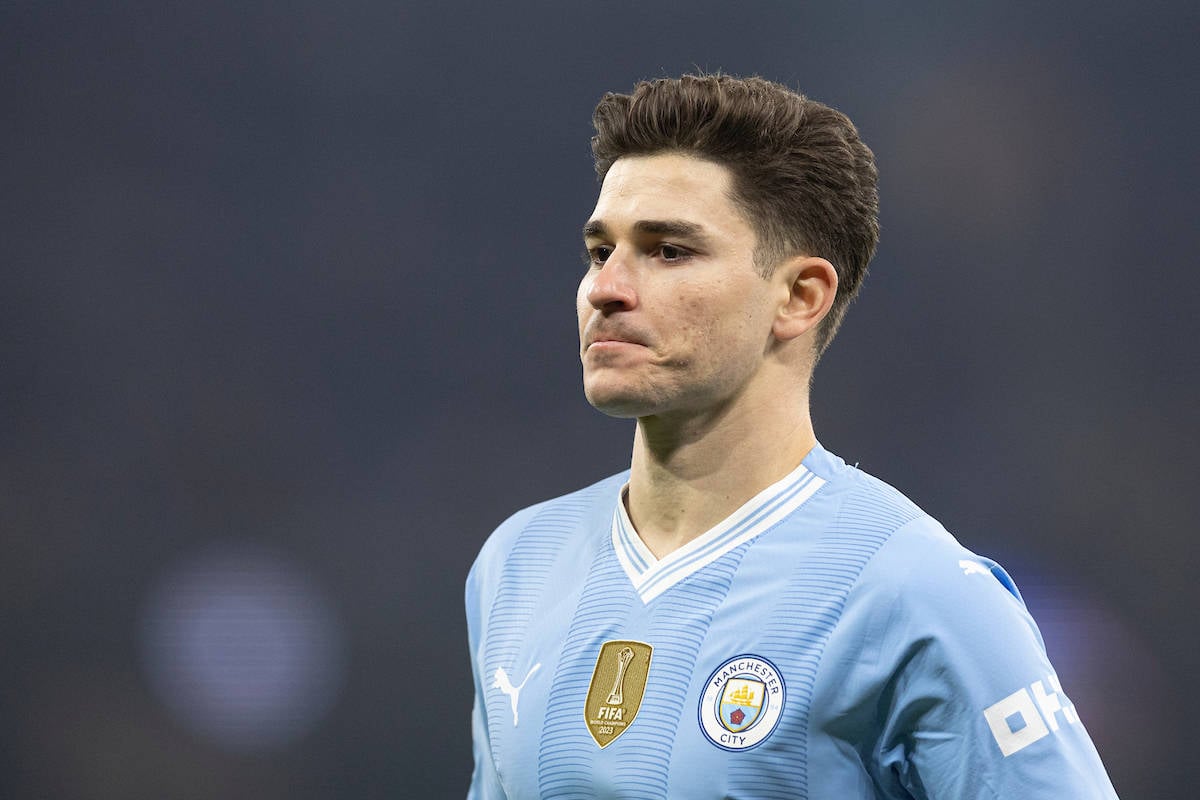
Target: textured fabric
x: 827, y: 641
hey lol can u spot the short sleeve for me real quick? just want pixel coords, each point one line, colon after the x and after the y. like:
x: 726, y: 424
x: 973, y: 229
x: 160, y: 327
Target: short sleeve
x: 972, y: 707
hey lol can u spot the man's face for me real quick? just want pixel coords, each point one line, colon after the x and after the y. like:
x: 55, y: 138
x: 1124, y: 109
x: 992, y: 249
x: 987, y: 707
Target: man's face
x: 673, y: 316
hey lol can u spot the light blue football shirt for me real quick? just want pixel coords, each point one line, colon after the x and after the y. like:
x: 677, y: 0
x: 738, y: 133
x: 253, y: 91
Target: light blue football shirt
x: 828, y: 641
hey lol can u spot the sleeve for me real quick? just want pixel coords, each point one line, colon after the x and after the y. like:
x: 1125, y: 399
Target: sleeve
x: 485, y: 783
x: 973, y: 708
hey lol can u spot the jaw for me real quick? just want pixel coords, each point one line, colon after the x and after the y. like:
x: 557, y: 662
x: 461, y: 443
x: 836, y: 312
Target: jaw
x: 617, y: 397
x: 676, y: 403
x: 662, y: 393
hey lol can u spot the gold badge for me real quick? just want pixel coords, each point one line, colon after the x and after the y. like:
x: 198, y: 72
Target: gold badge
x: 615, y: 694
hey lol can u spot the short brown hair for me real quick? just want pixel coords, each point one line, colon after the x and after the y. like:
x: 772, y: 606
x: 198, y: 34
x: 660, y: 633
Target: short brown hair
x: 804, y: 179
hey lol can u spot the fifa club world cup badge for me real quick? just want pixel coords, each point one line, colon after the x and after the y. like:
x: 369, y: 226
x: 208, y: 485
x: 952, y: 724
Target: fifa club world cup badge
x: 618, y: 684
x: 741, y: 703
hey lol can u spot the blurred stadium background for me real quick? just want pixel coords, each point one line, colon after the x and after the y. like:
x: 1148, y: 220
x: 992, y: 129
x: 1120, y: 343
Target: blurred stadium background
x: 286, y: 328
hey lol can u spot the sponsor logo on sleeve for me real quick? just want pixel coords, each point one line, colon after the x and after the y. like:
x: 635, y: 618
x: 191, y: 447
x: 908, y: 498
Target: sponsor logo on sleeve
x: 1029, y: 715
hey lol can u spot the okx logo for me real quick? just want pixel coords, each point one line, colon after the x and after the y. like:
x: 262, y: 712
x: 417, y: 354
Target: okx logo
x: 1029, y: 714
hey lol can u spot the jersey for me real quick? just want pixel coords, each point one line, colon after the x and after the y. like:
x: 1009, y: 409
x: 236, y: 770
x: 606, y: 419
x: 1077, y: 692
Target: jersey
x: 827, y: 640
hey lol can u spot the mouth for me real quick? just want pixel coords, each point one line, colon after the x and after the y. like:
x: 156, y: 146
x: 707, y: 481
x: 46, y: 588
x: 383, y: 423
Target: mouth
x: 604, y: 332
x: 606, y: 342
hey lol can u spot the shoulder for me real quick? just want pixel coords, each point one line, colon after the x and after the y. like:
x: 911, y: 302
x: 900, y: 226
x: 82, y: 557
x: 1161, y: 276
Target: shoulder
x: 915, y: 582
x: 928, y: 612
x: 915, y: 559
x: 933, y: 587
x: 857, y: 503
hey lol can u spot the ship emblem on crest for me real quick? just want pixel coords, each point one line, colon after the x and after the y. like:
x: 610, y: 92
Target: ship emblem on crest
x: 618, y: 685
x: 742, y: 703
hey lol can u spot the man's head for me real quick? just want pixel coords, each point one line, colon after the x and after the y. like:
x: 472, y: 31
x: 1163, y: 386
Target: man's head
x: 801, y: 177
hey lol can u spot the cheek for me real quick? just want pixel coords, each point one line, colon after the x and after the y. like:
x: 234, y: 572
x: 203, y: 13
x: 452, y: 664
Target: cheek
x: 582, y: 306
x: 696, y: 333
x: 705, y: 316
x: 697, y: 318
x: 727, y: 334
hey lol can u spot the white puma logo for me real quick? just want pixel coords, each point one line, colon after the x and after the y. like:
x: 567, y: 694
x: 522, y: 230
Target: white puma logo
x: 514, y: 692
x: 969, y: 567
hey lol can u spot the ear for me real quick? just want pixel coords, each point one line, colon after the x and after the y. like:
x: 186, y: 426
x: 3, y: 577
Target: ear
x: 811, y: 284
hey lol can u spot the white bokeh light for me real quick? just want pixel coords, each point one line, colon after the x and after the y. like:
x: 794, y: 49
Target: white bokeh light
x: 242, y: 648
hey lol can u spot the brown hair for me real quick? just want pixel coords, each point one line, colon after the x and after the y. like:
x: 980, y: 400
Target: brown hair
x: 803, y: 178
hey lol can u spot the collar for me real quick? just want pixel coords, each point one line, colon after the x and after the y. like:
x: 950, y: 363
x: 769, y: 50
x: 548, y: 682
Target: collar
x: 651, y: 576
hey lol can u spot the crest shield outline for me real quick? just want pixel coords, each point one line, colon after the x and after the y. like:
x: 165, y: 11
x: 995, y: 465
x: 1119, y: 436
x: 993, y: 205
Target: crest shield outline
x: 618, y: 685
x: 741, y: 703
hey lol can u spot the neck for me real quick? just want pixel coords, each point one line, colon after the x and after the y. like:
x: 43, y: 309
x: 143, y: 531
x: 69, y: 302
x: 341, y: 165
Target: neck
x: 690, y: 473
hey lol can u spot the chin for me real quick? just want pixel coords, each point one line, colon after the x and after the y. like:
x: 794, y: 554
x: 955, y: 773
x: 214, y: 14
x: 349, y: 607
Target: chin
x: 621, y: 409
x: 614, y: 403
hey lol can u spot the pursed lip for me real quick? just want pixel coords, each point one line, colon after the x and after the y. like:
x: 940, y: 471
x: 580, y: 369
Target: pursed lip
x: 612, y: 340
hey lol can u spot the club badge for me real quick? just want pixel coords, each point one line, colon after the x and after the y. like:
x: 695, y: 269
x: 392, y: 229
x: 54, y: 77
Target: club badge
x: 741, y: 703
x: 618, y: 684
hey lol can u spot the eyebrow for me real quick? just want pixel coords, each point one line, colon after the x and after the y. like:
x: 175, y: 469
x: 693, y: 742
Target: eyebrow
x: 659, y: 227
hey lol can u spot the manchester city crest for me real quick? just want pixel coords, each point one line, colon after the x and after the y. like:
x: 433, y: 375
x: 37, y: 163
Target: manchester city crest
x: 742, y: 702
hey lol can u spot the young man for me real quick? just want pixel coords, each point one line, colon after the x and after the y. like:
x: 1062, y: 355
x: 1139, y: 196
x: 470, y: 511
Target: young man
x: 741, y: 614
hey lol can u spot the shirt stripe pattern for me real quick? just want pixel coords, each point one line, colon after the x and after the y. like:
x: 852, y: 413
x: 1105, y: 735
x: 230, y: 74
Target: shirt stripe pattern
x: 798, y: 628
x: 569, y: 762
x: 678, y: 629
x: 567, y: 753
x: 529, y: 564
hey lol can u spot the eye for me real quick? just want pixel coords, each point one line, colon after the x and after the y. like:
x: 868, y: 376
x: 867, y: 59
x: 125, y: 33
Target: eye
x: 670, y: 252
x: 596, y: 256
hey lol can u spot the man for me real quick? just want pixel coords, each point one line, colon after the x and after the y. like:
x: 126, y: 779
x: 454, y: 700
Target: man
x: 741, y: 614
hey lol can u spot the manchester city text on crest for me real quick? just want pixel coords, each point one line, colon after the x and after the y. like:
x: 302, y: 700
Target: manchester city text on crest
x: 742, y: 702
x: 618, y: 684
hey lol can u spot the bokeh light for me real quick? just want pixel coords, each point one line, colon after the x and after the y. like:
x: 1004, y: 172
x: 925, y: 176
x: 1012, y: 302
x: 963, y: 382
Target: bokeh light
x: 242, y: 648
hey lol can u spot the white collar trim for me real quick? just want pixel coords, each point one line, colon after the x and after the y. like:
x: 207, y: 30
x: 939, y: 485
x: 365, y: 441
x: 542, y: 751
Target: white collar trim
x: 651, y: 577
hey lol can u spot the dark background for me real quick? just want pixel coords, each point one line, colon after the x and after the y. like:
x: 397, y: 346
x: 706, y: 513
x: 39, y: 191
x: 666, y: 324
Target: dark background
x: 287, y: 327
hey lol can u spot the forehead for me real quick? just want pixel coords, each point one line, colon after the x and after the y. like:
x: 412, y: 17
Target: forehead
x: 670, y: 186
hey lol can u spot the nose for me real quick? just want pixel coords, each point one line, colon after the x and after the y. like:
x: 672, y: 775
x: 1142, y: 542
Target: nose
x: 610, y: 288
